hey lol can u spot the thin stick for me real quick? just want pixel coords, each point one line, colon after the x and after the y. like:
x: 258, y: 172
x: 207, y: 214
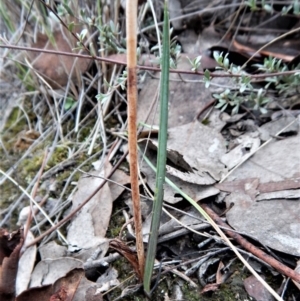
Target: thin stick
x: 251, y: 248
x: 143, y: 67
x: 131, y: 26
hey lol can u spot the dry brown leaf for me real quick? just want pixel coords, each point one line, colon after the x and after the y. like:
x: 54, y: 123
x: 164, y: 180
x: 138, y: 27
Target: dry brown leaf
x: 129, y: 254
x: 57, y: 69
x: 74, y: 286
x: 10, y: 246
x: 25, y: 139
x: 60, y: 295
x: 211, y: 287
x: 256, y: 290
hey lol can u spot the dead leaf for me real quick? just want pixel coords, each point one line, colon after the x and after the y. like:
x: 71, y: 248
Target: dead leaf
x: 52, y: 250
x: 175, y: 11
x: 61, y: 295
x: 129, y: 254
x: 57, y: 69
x: 26, y: 265
x: 203, y: 269
x: 108, y: 279
x: 10, y: 246
x: 243, y: 185
x: 89, y: 227
x: 211, y: 287
x: 283, y: 194
x: 185, y: 101
x: 50, y: 270
x: 276, y: 162
x: 248, y: 186
x: 219, y: 275
x: 276, y: 222
x: 74, y: 286
x: 25, y: 139
x: 197, y: 149
x: 269, y: 129
x: 197, y: 192
x: 256, y: 290
x: 247, y: 145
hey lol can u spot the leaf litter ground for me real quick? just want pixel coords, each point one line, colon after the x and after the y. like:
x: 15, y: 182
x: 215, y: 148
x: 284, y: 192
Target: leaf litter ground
x: 264, y: 191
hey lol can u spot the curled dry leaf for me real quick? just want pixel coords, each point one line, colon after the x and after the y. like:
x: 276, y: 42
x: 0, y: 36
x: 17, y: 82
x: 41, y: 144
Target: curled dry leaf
x: 129, y: 254
x: 74, y: 286
x: 10, y: 246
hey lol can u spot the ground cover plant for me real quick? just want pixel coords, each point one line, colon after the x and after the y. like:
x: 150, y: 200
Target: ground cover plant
x: 81, y: 85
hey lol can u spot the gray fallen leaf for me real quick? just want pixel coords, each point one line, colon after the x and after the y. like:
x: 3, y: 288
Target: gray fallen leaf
x: 270, y: 129
x: 247, y: 145
x: 89, y: 226
x: 52, y: 250
x: 284, y: 194
x: 48, y: 271
x: 197, y: 149
x: 256, y: 289
x: 108, y: 279
x: 25, y: 265
x: 274, y: 223
x: 196, y: 192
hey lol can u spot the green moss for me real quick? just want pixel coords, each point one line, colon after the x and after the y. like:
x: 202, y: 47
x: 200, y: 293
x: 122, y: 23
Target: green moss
x: 189, y: 293
x: 59, y: 155
x: 117, y: 219
x: 15, y: 122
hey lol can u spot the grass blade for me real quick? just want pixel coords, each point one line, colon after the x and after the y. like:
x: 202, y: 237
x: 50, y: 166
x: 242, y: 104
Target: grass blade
x: 162, y: 155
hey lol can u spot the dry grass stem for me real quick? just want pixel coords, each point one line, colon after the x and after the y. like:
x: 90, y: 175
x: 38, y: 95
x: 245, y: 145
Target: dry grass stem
x: 131, y: 26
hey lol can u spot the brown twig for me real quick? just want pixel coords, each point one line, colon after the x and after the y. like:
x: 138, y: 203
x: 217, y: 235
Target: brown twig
x: 131, y: 26
x: 145, y: 67
x: 251, y: 248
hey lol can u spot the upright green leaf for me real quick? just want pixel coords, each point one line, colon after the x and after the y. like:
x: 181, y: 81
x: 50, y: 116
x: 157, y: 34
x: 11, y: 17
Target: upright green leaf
x: 161, y: 156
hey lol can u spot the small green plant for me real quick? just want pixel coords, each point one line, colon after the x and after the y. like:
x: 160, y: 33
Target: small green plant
x: 244, y: 92
x: 293, y: 8
x: 195, y: 63
x: 252, y: 4
x: 207, y: 78
x: 109, y: 37
x: 285, y: 85
x: 175, y: 53
x: 81, y: 36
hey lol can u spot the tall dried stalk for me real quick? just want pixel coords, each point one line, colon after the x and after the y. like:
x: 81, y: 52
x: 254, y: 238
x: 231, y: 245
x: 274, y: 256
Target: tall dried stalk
x: 131, y: 27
